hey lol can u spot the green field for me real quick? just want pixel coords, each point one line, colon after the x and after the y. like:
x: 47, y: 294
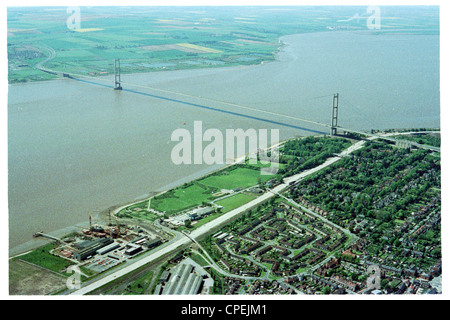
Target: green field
x: 185, y: 197
x: 236, y: 178
x: 33, y: 33
x: 235, y: 201
x: 43, y: 258
x: 200, y: 192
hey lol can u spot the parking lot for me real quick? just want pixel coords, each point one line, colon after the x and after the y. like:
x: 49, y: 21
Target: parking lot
x: 103, y: 263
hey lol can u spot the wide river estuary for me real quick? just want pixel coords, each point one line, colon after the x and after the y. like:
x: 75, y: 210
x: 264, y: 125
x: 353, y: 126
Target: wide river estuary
x: 76, y: 147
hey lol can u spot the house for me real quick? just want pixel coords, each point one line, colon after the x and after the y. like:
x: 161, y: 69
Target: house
x: 349, y: 253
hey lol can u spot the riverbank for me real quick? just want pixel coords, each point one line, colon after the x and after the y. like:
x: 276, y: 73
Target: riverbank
x: 213, y: 225
x: 91, y: 147
x: 103, y: 216
x: 163, y: 45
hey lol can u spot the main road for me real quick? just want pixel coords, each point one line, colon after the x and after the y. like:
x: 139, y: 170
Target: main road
x: 206, y: 228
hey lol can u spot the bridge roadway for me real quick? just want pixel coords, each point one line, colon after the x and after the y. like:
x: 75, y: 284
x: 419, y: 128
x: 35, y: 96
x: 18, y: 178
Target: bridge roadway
x: 206, y: 228
x: 271, y: 113
x: 388, y: 136
x: 385, y: 136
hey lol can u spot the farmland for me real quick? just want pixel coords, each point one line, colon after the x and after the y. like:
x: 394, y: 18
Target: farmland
x: 142, y: 40
x: 162, y: 38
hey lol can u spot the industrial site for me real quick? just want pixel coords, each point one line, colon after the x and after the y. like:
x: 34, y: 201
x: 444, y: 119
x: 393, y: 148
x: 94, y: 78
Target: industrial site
x: 99, y: 248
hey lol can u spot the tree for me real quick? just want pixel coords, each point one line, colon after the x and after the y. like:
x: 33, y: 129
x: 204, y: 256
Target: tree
x: 384, y: 283
x: 326, y: 290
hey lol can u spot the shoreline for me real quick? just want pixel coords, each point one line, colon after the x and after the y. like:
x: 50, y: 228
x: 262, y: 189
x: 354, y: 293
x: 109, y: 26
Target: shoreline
x: 175, y: 183
x: 275, y: 56
x: 38, y: 66
x: 36, y: 243
x: 102, y: 215
x: 114, y: 209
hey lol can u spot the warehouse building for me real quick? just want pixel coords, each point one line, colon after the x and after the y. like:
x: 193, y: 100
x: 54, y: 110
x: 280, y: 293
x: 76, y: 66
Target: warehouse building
x: 108, y: 248
x: 132, y: 249
x: 199, y: 213
x: 153, y: 243
x: 187, y: 279
x: 92, y: 248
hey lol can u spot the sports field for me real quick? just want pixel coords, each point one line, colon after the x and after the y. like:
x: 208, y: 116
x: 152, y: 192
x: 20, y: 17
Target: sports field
x: 235, y: 201
x: 184, y: 197
x: 202, y: 191
x: 236, y: 178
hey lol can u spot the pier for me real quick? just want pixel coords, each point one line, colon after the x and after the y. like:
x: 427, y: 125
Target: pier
x: 41, y: 234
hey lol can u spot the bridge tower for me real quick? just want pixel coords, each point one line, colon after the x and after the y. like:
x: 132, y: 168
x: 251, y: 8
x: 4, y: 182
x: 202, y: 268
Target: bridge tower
x: 334, y: 115
x: 117, y: 85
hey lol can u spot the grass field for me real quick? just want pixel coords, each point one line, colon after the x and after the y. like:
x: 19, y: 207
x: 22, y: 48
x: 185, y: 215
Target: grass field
x: 182, y: 198
x: 237, y: 178
x: 43, y: 258
x: 201, y: 191
x: 27, y: 279
x: 235, y: 201
x: 199, y: 48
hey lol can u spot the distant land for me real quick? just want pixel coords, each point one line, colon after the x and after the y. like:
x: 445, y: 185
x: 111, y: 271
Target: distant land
x: 170, y: 38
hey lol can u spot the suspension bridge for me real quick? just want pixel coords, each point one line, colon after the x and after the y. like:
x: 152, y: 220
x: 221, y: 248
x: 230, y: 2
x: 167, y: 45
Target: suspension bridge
x: 274, y: 117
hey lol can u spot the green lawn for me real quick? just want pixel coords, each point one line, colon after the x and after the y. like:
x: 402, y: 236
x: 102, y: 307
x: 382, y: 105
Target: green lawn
x: 140, y: 285
x: 184, y: 197
x: 195, y: 193
x: 238, y: 177
x: 235, y: 201
x: 43, y: 258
